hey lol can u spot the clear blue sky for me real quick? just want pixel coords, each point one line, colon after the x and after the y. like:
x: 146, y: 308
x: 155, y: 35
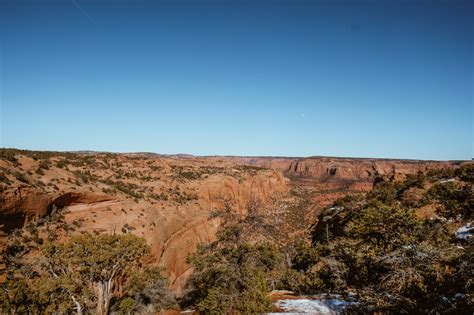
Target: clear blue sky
x: 293, y: 78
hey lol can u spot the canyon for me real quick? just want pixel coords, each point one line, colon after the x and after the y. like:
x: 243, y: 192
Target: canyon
x: 172, y: 201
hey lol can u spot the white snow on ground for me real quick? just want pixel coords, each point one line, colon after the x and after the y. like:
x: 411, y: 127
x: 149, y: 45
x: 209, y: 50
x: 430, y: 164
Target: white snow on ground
x: 304, y: 306
x: 465, y: 232
x: 313, y: 306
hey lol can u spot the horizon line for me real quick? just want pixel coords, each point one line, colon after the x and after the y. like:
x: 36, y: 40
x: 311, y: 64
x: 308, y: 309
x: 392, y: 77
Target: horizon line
x: 183, y: 155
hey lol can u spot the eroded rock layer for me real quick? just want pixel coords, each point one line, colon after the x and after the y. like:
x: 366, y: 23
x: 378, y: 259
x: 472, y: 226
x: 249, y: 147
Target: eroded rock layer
x: 170, y: 200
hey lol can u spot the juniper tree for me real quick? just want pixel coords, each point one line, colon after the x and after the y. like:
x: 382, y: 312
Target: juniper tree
x: 87, y: 267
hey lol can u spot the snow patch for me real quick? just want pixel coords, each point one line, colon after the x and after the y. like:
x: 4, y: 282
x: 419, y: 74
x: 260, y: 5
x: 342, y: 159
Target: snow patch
x: 321, y: 306
x: 303, y: 306
x: 465, y: 232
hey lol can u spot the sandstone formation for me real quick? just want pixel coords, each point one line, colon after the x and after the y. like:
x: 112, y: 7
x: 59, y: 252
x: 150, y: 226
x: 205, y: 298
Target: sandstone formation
x: 347, y: 169
x: 169, y: 200
x: 18, y: 204
x: 358, y: 169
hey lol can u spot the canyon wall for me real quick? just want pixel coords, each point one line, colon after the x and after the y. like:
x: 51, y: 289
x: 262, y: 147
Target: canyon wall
x: 170, y: 200
x: 188, y: 226
x: 358, y: 169
x: 345, y: 169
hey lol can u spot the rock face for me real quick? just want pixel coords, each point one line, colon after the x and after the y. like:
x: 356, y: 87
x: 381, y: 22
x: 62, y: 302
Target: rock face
x: 259, y: 187
x: 24, y: 199
x: 343, y: 169
x: 358, y: 169
x: 75, y: 198
x: 21, y: 203
x: 191, y: 225
x: 321, y: 169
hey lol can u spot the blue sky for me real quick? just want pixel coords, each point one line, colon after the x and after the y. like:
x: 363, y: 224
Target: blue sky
x: 289, y: 78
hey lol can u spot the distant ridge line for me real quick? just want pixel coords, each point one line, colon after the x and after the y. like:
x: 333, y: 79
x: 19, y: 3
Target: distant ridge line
x: 185, y: 155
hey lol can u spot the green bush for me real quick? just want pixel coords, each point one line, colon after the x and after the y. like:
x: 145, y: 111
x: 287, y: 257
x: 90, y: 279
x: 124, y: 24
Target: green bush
x: 382, y: 225
x: 20, y: 176
x: 127, y: 306
x: 234, y: 278
x: 454, y: 199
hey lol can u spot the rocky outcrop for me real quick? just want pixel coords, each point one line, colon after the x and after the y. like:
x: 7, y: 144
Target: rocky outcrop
x: 25, y: 199
x: 19, y: 204
x: 239, y: 192
x: 193, y: 224
x: 347, y: 169
x: 170, y: 249
x: 75, y: 198
x: 358, y: 169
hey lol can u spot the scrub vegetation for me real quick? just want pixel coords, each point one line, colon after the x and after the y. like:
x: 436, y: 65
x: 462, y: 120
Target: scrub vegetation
x: 396, y: 249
